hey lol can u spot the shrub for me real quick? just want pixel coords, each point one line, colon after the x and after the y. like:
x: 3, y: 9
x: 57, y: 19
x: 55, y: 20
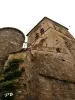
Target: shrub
x: 11, y: 73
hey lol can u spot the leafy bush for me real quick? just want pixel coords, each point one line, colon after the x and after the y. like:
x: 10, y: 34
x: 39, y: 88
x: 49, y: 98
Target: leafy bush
x: 13, y: 65
x: 10, y: 76
x: 1, y: 78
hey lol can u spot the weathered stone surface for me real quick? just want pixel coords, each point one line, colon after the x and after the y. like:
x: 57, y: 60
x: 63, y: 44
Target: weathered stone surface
x: 11, y: 40
x: 49, y: 75
x: 49, y: 65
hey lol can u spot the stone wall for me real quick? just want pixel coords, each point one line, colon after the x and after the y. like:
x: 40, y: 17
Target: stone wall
x: 42, y: 28
x: 49, y: 68
x: 49, y: 65
x: 48, y: 75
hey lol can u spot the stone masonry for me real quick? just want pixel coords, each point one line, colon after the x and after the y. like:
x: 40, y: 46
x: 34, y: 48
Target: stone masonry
x: 49, y: 62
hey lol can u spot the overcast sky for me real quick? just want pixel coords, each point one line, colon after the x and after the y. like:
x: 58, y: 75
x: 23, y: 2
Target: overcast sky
x: 25, y: 14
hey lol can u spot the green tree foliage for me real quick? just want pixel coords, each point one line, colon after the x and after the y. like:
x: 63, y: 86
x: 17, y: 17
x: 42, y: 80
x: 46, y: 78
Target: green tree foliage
x: 9, y: 78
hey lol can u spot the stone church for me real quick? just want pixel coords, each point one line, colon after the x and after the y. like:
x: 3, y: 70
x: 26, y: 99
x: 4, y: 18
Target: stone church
x: 49, y: 62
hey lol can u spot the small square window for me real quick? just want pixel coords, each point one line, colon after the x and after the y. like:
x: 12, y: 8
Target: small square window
x: 58, y: 50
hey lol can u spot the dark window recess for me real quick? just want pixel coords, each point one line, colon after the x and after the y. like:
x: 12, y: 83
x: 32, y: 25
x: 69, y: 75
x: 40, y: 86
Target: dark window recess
x: 63, y: 60
x: 56, y: 40
x: 58, y: 50
x: 42, y: 31
x: 37, y: 36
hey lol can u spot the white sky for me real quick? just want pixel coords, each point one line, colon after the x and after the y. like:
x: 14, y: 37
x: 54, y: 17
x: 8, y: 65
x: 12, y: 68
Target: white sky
x: 25, y: 14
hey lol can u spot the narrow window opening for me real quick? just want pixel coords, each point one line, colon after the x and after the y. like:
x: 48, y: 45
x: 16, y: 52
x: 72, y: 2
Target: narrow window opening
x: 63, y: 60
x: 58, y: 50
x: 42, y: 31
x: 56, y: 40
x: 37, y: 36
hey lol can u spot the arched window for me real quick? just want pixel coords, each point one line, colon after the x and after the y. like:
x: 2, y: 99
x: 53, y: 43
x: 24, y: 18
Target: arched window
x: 37, y: 36
x: 42, y: 31
x: 58, y: 50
